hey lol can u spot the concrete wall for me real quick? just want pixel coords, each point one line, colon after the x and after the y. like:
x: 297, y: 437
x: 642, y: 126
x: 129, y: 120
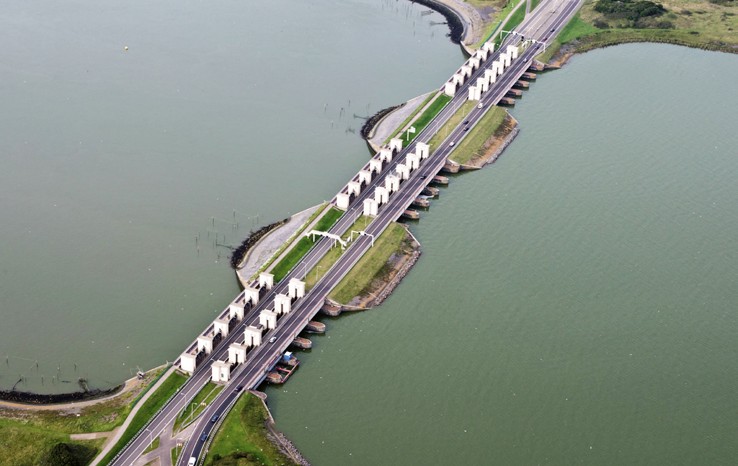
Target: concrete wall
x: 187, y: 362
x: 449, y: 89
x: 342, y: 201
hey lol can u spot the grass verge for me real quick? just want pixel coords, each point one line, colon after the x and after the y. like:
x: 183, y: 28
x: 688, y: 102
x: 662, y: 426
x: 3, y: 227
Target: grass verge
x: 473, y: 144
x: 168, y: 388
x: 174, y: 454
x: 327, y: 261
x: 369, y: 267
x: 243, y: 436
x: 304, y: 244
x: 426, y: 117
x: 515, y: 19
x: 319, y: 211
x: 452, y: 123
x: 410, y: 118
x: 197, y: 405
x: 154, y: 445
x: 495, y: 25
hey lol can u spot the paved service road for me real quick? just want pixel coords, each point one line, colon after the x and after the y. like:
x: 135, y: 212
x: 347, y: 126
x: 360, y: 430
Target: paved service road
x: 544, y: 23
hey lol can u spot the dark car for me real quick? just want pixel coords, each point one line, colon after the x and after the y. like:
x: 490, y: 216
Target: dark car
x: 239, y: 388
x: 466, y: 128
x: 214, y: 419
x: 466, y: 122
x: 204, y: 436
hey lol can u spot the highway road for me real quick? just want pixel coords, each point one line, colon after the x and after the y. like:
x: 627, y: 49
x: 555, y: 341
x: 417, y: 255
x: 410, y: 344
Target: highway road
x: 545, y: 22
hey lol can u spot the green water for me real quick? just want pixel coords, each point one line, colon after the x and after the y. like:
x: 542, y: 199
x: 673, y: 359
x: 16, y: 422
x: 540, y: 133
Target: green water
x: 575, y: 302
x: 219, y: 118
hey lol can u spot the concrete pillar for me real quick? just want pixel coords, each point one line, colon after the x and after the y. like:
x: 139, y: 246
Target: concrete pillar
x: 473, y: 93
x: 266, y: 280
x: 466, y: 71
x: 489, y: 46
x: 491, y: 76
x: 251, y: 295
x: 395, y: 144
x: 385, y: 155
x: 354, y: 188
x: 505, y: 59
x: 236, y: 353
x: 371, y: 207
x: 235, y: 310
x: 365, y: 176
x: 422, y: 149
x: 483, y: 84
x: 296, y: 288
x: 413, y: 161
x: 220, y: 326
x: 403, y: 171
x: 375, y: 165
x: 187, y: 362
x: 480, y: 55
x: 478, y: 94
x: 268, y: 319
x: 381, y: 195
x: 512, y: 51
x: 392, y: 183
x: 342, y: 201
x: 473, y: 62
x: 221, y: 371
x: 449, y: 89
x: 205, y: 344
x: 252, y: 336
x: 458, y: 79
x: 282, y: 304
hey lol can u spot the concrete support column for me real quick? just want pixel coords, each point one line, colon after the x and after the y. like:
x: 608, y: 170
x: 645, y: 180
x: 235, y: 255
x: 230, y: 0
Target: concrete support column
x: 354, y: 188
x: 296, y: 288
x: 266, y: 280
x: 371, y: 207
x: 221, y: 371
x: 381, y: 195
x: 187, y: 362
x: 235, y: 310
x: 403, y: 171
x: 413, y: 161
x: 449, y: 89
x: 342, y: 201
x: 466, y: 71
x: 458, y: 78
x: 268, y: 319
x: 236, y: 353
x: 483, y: 84
x: 220, y: 326
x: 252, y: 295
x: 473, y: 62
x: 512, y: 51
x: 392, y: 183
x: 252, y: 336
x: 395, y: 144
x: 282, y: 304
x: 385, y: 155
x: 205, y: 343
x: 365, y: 176
x: 375, y: 166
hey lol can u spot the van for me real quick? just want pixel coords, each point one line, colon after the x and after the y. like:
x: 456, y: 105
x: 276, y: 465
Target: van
x: 192, y: 461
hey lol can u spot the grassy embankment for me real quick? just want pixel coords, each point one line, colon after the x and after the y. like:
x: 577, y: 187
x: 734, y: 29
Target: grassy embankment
x: 33, y: 437
x: 327, y: 261
x: 410, y: 117
x: 474, y: 144
x: 515, y: 20
x: 304, y: 244
x: 319, y: 211
x: 374, y: 265
x: 424, y: 118
x: 197, y: 405
x: 155, y: 402
x: 242, y: 438
x: 452, y: 123
x: 711, y: 25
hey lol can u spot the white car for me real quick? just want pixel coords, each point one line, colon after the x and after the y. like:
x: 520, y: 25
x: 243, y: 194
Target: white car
x: 192, y: 461
x: 272, y: 340
x: 480, y: 105
x: 451, y: 144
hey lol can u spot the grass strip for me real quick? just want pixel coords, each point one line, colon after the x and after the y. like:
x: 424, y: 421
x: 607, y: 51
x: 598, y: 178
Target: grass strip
x: 243, y: 436
x: 327, y: 261
x: 371, y: 265
x: 515, y: 19
x: 452, y: 123
x: 410, y: 118
x: 319, y: 211
x: 175, y: 454
x: 304, y: 245
x: 493, y: 28
x: 154, y: 445
x: 198, y: 404
x: 150, y: 407
x: 472, y: 145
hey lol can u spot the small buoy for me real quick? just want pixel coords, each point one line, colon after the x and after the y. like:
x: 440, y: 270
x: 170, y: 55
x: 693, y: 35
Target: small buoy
x: 125, y: 48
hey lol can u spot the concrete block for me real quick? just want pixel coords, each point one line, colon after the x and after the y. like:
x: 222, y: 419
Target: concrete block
x: 282, y: 304
x: 395, y: 144
x: 403, y: 171
x: 353, y: 188
x: 490, y: 75
x: 413, y: 161
x: 489, y: 46
x: 422, y: 149
x: 251, y: 295
x: 371, y: 207
x: 220, y: 326
x: 296, y: 288
x: 466, y: 70
x: 375, y: 165
x: 268, y: 319
x: 235, y: 310
x: 381, y: 195
x: 187, y: 362
x: 483, y: 84
x: 458, y: 78
x: 237, y: 353
x: 385, y: 155
x: 365, y: 176
x: 474, y: 92
x: 252, y: 336
x: 512, y: 51
x: 221, y: 371
x: 205, y: 343
x: 449, y: 89
x: 342, y: 201
x: 266, y: 280
x: 392, y: 183
x: 473, y: 62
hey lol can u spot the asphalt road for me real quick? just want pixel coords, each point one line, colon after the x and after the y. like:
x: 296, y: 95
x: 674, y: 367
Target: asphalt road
x: 545, y: 22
